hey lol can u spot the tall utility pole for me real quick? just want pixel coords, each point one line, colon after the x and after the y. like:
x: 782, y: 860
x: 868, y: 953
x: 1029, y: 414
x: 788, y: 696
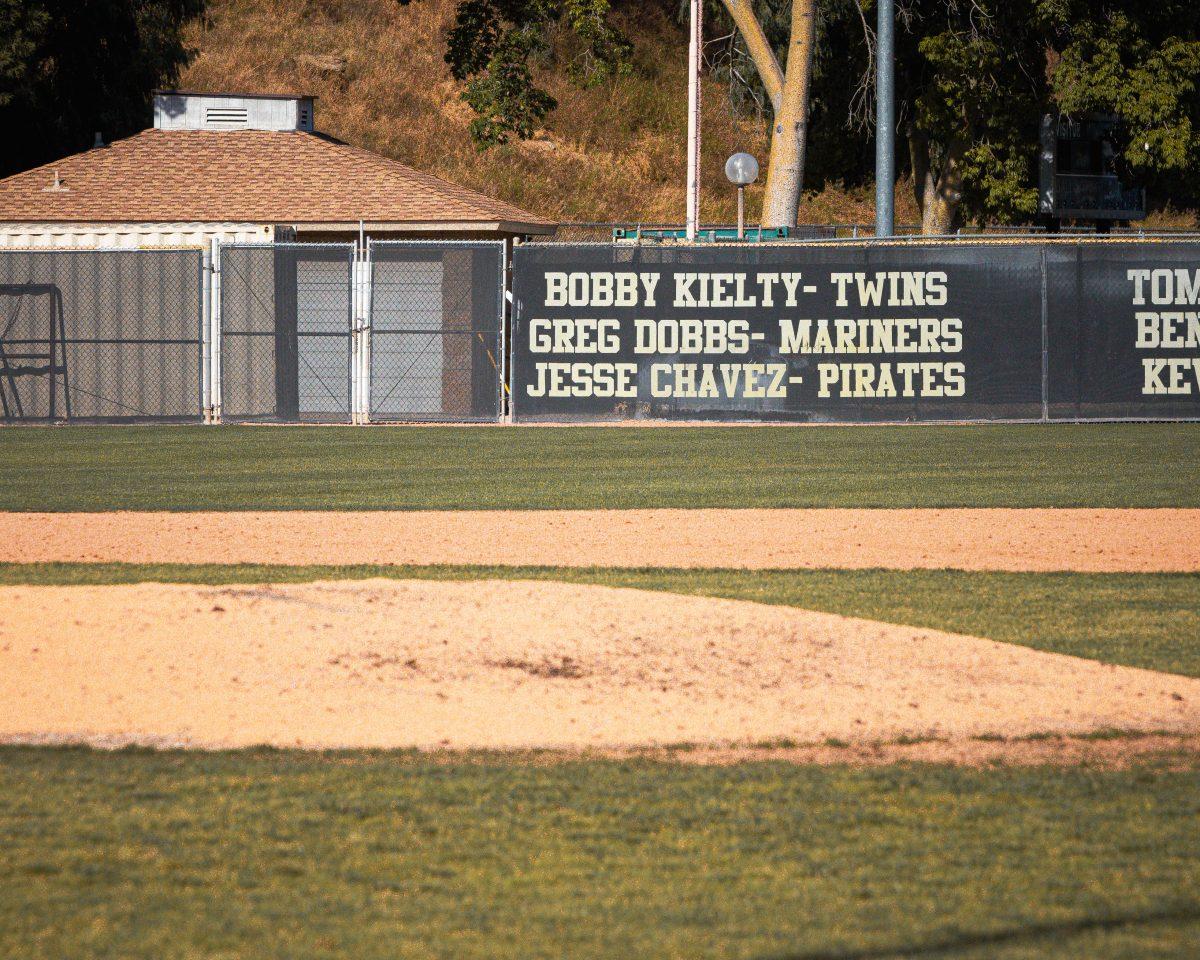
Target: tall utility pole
x: 693, y: 169
x: 885, y: 121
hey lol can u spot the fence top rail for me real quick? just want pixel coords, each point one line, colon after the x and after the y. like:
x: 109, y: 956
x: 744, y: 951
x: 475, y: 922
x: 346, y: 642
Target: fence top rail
x: 292, y: 244
x: 904, y: 229
x: 434, y: 243
x: 44, y: 251
x: 957, y: 240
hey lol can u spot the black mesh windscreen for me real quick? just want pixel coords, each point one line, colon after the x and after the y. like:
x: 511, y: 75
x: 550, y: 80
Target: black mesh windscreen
x: 949, y: 331
x: 844, y: 332
x: 1123, y: 331
x: 101, y: 335
x: 286, y: 332
x: 436, y: 345
x: 837, y: 333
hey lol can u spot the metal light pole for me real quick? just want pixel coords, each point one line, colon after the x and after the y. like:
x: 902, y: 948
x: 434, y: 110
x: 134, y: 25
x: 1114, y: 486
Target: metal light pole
x: 741, y: 170
x: 885, y: 120
x: 693, y: 169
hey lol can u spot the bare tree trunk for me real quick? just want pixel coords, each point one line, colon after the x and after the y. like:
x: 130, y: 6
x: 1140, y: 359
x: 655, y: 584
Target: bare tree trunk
x: 759, y: 48
x: 789, y: 135
x: 918, y: 158
x: 942, y: 204
x: 938, y: 192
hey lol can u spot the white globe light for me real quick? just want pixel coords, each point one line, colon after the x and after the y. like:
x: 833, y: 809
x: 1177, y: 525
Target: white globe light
x: 741, y: 169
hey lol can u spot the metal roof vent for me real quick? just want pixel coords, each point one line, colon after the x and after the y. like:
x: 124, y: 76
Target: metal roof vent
x: 225, y: 118
x: 57, y: 186
x: 179, y: 110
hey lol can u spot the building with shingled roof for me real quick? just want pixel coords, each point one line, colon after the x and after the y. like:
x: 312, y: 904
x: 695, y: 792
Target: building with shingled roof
x: 239, y: 168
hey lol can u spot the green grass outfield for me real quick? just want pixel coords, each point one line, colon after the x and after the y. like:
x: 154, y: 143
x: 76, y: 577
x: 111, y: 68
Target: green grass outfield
x: 1135, y: 619
x: 314, y: 856
x: 265, y: 854
x: 323, y: 468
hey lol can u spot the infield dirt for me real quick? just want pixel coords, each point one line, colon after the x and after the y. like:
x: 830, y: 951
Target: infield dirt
x: 518, y: 664
x: 1086, y: 540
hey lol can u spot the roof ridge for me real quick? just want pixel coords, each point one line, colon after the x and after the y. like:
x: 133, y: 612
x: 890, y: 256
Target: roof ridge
x: 71, y: 157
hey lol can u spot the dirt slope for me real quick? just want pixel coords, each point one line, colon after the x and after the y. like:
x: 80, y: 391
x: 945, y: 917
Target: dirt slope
x: 615, y: 152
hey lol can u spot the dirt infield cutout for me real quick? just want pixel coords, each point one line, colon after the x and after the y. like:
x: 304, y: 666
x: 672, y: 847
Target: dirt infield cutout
x: 525, y: 665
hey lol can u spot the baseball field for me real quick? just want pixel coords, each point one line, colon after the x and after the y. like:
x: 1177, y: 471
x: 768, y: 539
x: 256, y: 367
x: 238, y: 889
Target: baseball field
x: 747, y: 692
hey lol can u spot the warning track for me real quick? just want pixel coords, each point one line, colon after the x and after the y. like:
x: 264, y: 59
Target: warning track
x: 1086, y: 540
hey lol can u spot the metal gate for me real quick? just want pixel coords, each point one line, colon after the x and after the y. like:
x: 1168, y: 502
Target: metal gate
x: 287, y: 330
x: 396, y: 331
x: 436, y: 331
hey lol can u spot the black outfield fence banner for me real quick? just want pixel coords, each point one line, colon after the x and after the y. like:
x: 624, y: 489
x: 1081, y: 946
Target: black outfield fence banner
x: 857, y: 332
x: 1123, y: 331
x: 113, y: 335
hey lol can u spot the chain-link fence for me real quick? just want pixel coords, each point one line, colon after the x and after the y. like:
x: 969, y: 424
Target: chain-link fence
x: 114, y: 335
x: 401, y: 331
x: 436, y: 343
x: 286, y: 331
x: 415, y: 331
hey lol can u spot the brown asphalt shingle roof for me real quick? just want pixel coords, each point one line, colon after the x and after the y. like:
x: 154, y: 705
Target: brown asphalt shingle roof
x: 256, y: 176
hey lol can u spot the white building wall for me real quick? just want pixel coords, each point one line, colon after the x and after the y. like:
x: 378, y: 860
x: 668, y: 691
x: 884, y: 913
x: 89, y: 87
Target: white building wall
x: 128, y: 236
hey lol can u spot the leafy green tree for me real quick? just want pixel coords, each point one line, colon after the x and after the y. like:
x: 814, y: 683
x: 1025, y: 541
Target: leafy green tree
x: 1140, y: 62
x: 70, y: 68
x: 494, y: 43
x: 973, y: 78
x: 971, y: 88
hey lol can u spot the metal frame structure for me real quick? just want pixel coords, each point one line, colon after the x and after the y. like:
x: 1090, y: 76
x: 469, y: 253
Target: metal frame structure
x: 364, y: 258
x: 496, y: 352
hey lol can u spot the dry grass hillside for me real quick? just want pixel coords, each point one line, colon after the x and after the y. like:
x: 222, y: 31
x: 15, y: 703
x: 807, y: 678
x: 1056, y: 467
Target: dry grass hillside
x: 612, y: 153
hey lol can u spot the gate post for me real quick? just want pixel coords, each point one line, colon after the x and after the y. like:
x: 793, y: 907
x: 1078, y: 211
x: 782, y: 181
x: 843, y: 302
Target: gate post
x: 1045, y: 344
x: 361, y: 335
x: 505, y: 338
x: 355, y: 336
x: 214, y: 331
x: 205, y: 335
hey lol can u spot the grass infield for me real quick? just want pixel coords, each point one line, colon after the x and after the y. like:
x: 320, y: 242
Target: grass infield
x: 372, y: 855
x: 325, y: 468
x: 1140, y: 620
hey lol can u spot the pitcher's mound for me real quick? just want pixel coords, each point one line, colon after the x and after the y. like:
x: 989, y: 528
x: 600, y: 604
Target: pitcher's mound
x: 497, y: 664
